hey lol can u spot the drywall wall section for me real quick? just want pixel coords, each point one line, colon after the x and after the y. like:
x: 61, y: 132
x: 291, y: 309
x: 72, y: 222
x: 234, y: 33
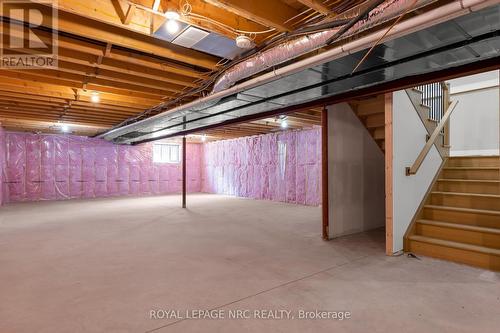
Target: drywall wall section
x: 2, y: 164
x: 409, y: 137
x: 356, y: 175
x: 58, y: 167
x: 281, y: 166
x: 475, y: 123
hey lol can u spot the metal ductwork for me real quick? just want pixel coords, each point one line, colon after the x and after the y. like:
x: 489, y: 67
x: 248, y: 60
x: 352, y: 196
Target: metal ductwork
x: 365, y: 16
x: 297, y: 47
x: 225, y: 85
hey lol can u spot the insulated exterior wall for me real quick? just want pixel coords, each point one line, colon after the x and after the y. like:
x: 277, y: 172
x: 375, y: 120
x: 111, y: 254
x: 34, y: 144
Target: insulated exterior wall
x: 58, y: 167
x: 250, y: 167
x: 2, y: 165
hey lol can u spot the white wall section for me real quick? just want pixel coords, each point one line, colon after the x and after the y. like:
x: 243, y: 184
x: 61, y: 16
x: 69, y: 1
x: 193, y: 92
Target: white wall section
x: 356, y: 182
x: 409, y: 136
x: 474, y: 125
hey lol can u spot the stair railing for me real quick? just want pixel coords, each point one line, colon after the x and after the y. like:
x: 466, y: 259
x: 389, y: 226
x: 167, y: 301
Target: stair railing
x: 428, y: 145
x: 446, y: 103
x: 434, y: 95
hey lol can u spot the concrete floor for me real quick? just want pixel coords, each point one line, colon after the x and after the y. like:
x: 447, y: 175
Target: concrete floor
x: 103, y: 265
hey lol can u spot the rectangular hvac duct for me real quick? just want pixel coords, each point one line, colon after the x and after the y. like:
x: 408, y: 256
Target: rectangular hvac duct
x: 190, y: 37
x: 460, y: 41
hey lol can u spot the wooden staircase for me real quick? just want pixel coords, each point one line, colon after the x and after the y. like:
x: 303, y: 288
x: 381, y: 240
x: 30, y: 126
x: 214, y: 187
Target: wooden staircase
x: 371, y: 112
x: 460, y: 218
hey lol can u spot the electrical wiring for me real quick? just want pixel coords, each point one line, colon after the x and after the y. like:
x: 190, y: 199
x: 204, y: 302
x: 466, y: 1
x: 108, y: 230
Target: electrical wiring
x: 346, y: 21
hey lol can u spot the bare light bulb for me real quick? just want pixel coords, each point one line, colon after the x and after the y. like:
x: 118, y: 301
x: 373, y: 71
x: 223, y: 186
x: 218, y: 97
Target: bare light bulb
x: 95, y: 98
x: 204, y: 137
x: 172, y: 26
x: 65, y: 128
x: 172, y: 15
x: 284, y: 124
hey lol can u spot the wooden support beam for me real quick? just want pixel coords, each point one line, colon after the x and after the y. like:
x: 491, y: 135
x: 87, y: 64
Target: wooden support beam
x: 316, y: 5
x: 273, y: 14
x: 388, y: 175
x: 184, y: 175
x: 129, y: 14
x: 47, y: 76
x: 74, y: 22
x: 324, y: 174
x: 201, y: 9
x: 86, y: 52
x: 137, y: 15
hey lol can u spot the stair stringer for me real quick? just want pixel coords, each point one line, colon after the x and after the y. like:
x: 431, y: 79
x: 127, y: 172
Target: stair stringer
x: 420, y: 211
x: 415, y: 97
x: 368, y: 108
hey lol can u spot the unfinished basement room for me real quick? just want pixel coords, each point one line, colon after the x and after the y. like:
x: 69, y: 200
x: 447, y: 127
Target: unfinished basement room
x: 249, y: 166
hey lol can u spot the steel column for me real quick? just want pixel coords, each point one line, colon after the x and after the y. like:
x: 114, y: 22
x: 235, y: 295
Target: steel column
x: 183, y: 172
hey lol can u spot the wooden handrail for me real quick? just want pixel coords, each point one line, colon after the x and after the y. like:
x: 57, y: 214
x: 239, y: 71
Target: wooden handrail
x: 444, y: 85
x: 420, y: 159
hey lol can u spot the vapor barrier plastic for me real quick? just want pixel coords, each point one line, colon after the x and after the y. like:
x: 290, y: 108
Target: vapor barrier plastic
x: 59, y: 167
x: 2, y: 165
x: 249, y: 167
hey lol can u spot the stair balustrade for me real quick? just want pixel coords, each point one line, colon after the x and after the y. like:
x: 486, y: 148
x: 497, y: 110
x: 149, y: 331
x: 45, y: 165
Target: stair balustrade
x: 435, y: 97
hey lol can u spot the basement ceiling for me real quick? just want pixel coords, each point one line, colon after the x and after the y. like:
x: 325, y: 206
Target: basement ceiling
x: 464, y: 40
x: 119, y: 49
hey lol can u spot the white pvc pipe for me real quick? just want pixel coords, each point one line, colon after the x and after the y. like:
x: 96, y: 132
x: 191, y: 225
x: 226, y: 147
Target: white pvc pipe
x: 416, y: 23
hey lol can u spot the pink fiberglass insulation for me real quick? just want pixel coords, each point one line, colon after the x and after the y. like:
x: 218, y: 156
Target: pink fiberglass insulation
x: 255, y: 167
x: 59, y: 167
x: 2, y: 165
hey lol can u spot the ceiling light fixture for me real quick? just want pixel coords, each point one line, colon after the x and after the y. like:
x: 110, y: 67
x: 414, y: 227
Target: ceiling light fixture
x: 284, y: 124
x: 172, y: 26
x: 204, y: 137
x: 64, y: 128
x: 172, y: 15
x: 95, y: 97
x: 244, y: 42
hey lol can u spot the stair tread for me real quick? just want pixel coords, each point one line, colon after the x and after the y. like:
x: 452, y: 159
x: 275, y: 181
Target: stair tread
x: 468, y: 180
x: 475, y: 156
x: 456, y: 245
x: 471, y: 168
x: 465, y: 210
x: 465, y: 194
x: 460, y: 226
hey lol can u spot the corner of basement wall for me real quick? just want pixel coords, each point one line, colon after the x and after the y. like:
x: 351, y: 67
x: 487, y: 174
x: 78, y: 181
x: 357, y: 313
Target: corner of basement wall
x: 249, y: 167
